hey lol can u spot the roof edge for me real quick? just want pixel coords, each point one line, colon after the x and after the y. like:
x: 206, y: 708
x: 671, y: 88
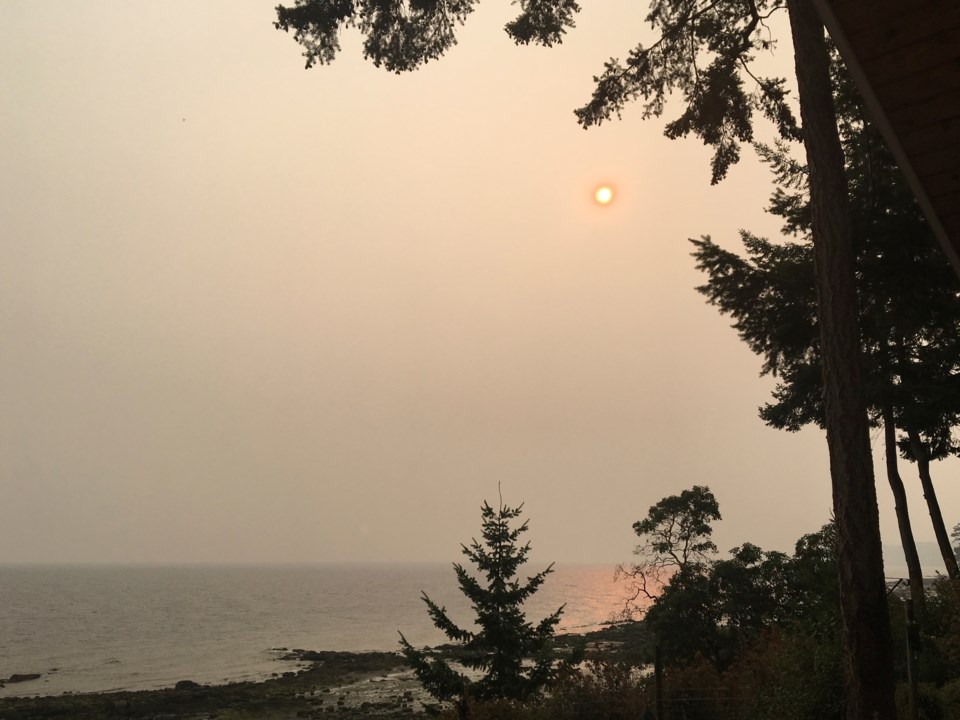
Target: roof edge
x: 829, y: 18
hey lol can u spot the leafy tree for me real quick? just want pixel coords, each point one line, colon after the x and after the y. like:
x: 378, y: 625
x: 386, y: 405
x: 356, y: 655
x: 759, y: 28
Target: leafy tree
x: 675, y: 540
x: 686, y: 620
x: 814, y: 587
x: 754, y: 588
x: 715, y: 608
x: 503, y: 639
x: 725, y: 35
x: 756, y: 635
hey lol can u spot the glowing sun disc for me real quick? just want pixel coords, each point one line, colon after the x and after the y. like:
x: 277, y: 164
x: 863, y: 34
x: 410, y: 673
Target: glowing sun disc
x: 603, y: 195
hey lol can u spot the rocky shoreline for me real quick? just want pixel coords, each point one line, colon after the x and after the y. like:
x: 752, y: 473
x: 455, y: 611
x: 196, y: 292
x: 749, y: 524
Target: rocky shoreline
x: 341, y: 685
x: 19, y: 678
x: 353, y: 684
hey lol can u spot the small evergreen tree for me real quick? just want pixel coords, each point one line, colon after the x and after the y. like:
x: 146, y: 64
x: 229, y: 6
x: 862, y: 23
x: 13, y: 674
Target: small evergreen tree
x: 503, y: 638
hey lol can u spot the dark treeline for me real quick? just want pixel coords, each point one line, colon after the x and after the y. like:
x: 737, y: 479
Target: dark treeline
x: 746, y: 635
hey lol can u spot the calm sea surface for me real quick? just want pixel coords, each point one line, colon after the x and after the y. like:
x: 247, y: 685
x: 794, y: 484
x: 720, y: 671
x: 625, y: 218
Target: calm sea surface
x: 110, y: 628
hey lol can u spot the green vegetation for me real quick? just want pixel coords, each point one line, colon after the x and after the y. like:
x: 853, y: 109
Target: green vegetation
x: 503, y: 639
x: 747, y: 635
x: 751, y: 635
x: 675, y: 538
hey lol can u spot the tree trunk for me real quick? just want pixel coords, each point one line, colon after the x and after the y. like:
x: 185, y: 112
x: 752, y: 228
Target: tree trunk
x: 903, y: 516
x: 919, y: 451
x: 867, y: 645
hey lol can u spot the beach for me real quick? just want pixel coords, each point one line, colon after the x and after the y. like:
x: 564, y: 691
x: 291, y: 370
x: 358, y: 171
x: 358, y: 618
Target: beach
x: 105, y: 629
x: 344, y: 685
x: 352, y: 684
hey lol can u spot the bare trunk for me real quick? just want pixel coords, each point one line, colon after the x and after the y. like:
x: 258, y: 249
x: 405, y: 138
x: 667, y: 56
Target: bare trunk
x: 919, y: 450
x: 867, y: 645
x: 903, y: 516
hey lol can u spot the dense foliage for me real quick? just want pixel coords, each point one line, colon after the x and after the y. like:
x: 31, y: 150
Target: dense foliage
x: 503, y: 640
x: 706, y: 52
x: 709, y: 608
x: 674, y: 539
x: 402, y: 36
x: 749, y: 636
x: 909, y: 296
x: 909, y: 306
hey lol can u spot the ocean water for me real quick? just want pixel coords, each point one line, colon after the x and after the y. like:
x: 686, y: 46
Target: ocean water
x: 93, y: 628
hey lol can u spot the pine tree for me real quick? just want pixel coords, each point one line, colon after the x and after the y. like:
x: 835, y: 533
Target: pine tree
x: 503, y: 639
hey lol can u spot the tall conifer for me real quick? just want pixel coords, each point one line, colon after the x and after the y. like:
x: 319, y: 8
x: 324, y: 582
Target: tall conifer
x: 503, y: 639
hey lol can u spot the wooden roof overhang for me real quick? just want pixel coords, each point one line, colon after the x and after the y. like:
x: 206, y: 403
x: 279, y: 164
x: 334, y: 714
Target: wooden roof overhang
x: 905, y: 57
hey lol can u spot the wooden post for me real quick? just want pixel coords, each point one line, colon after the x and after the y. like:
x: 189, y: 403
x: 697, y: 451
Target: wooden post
x: 911, y: 664
x: 658, y: 681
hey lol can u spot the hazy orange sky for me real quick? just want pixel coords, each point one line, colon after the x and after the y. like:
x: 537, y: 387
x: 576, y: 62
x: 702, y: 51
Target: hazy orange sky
x: 256, y: 313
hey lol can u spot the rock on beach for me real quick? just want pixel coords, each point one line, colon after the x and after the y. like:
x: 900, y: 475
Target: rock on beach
x: 21, y: 677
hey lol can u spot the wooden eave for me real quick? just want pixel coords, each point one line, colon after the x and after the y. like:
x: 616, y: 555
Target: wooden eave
x: 905, y: 57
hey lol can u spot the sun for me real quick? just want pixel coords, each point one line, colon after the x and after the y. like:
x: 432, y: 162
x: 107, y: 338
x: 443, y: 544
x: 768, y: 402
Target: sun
x: 603, y: 195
